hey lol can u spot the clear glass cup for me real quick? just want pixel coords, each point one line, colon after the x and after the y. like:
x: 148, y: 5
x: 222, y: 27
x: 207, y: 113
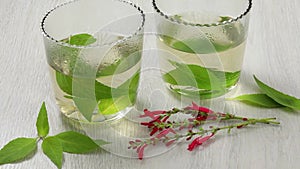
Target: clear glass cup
x: 203, y: 42
x: 94, y: 52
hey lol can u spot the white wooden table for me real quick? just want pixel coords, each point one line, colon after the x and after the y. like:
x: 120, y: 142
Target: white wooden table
x: 272, y: 54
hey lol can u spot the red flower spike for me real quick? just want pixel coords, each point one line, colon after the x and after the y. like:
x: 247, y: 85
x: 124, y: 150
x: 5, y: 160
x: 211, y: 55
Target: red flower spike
x: 140, y: 151
x: 198, y: 141
x: 245, y: 119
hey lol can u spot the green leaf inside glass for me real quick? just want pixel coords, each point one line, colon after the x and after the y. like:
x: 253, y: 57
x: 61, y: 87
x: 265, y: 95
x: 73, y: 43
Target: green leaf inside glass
x: 110, y: 100
x: 83, y: 39
x: 211, y: 83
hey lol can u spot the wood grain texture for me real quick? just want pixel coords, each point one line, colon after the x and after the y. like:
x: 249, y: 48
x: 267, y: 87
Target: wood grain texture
x: 272, y: 54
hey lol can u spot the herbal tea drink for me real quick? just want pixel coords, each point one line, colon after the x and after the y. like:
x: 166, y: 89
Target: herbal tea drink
x: 94, y: 63
x: 115, y: 85
x: 203, y: 47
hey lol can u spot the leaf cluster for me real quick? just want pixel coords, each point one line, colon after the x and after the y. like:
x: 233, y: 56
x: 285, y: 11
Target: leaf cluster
x: 269, y: 98
x: 52, y: 146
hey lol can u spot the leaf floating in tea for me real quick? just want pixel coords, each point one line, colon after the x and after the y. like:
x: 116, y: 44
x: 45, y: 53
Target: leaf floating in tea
x: 80, y: 39
x: 196, y: 80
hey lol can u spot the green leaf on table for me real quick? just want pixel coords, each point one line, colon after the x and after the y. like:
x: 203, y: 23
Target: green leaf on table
x: 52, y: 148
x: 77, y: 143
x: 279, y: 97
x: 17, y: 149
x: 42, y: 123
x: 261, y: 100
x: 80, y: 39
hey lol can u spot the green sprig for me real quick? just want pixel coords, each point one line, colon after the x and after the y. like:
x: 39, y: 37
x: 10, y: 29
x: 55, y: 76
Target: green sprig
x: 269, y: 98
x: 52, y: 146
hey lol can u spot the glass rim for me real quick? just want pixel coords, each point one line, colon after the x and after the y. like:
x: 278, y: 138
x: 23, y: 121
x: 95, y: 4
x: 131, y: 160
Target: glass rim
x: 49, y: 37
x: 172, y: 19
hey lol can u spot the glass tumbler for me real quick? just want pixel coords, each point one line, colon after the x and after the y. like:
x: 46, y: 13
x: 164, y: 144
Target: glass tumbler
x: 203, y: 42
x: 93, y: 50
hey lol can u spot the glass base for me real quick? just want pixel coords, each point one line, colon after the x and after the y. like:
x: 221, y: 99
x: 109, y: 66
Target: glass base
x: 72, y: 113
x: 201, y: 94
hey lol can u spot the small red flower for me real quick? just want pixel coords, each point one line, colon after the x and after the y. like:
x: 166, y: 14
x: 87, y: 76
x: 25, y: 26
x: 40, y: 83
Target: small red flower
x: 198, y: 141
x: 140, y: 151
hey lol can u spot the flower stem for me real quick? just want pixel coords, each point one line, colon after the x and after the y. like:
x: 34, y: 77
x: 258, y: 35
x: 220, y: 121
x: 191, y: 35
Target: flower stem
x: 166, y: 131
